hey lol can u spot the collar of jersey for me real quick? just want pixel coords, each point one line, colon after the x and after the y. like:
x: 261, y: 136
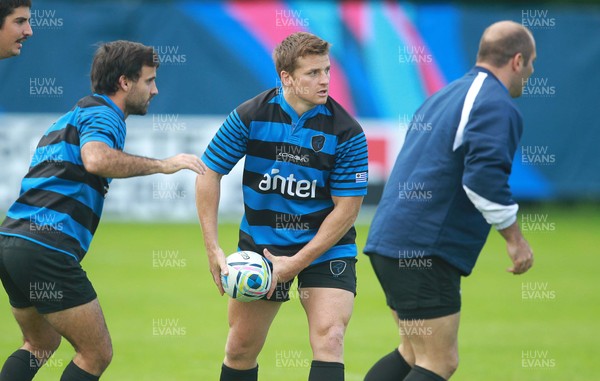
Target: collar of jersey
x: 280, y: 99
x: 479, y: 68
x: 111, y: 104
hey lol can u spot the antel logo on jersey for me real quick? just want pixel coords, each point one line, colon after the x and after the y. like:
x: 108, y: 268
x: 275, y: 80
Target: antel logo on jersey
x: 288, y: 185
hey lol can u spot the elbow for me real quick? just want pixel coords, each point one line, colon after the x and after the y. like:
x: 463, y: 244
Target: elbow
x: 95, y: 156
x: 93, y: 164
x: 353, y: 215
x: 208, y: 185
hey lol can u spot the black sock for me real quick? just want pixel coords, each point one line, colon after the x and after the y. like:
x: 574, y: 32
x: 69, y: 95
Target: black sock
x: 326, y: 371
x: 422, y: 374
x: 20, y: 366
x: 230, y: 374
x: 391, y: 367
x: 74, y: 373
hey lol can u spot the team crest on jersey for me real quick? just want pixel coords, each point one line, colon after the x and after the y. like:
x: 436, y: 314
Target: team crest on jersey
x: 337, y: 267
x: 317, y: 142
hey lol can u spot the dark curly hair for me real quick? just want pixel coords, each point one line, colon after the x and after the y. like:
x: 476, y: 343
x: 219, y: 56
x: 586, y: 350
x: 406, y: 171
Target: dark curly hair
x: 117, y: 58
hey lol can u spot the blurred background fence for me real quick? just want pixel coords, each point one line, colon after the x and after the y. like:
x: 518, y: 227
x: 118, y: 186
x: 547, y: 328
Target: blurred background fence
x: 387, y: 57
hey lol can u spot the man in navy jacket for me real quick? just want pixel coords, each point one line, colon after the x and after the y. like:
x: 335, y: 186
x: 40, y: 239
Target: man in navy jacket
x: 448, y: 186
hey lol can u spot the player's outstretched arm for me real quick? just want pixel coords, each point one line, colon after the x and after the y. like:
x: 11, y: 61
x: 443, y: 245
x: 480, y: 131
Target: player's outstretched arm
x: 518, y: 249
x: 333, y: 228
x: 99, y: 159
x: 208, y: 193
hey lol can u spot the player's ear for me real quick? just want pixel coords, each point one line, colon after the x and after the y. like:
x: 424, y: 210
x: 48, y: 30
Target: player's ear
x: 124, y: 83
x: 286, y: 78
x: 517, y: 62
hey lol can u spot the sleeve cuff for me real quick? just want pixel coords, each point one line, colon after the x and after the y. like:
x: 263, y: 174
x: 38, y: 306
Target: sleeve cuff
x: 497, y: 215
x: 503, y: 225
x: 97, y: 138
x: 207, y: 160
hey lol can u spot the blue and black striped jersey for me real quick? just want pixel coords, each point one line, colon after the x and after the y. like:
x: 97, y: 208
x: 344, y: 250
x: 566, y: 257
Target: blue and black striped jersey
x: 60, y: 203
x: 293, y: 167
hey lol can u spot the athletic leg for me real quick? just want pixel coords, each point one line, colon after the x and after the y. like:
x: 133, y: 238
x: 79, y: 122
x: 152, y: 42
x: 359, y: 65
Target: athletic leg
x: 40, y: 341
x: 328, y: 311
x: 85, y: 328
x: 249, y: 325
x: 435, y: 345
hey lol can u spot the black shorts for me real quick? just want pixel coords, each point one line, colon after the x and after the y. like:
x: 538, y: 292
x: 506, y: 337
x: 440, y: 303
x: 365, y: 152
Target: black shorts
x: 427, y: 288
x: 48, y: 280
x: 336, y: 273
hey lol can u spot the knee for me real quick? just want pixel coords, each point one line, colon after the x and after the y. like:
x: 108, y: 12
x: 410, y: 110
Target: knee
x: 330, y: 340
x: 443, y: 363
x: 55, y: 343
x: 240, y: 352
x: 43, y: 348
x: 407, y: 354
x: 448, y: 365
x: 99, y: 359
x: 105, y: 357
x: 452, y: 364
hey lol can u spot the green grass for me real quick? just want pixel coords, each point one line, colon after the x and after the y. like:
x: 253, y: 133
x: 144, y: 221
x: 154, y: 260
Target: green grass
x: 497, y: 323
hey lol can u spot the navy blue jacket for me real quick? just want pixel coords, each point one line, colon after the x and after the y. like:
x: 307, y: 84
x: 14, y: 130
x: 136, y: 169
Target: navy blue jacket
x: 450, y: 180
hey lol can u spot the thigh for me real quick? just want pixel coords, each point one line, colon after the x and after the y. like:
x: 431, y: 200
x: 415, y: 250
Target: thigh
x: 327, y: 292
x: 327, y: 307
x: 433, y: 341
x: 248, y: 327
x: 249, y: 322
x: 328, y: 311
x: 83, y: 326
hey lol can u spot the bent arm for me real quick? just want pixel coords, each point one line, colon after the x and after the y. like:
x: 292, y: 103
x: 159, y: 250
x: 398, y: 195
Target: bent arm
x: 99, y: 159
x: 333, y: 228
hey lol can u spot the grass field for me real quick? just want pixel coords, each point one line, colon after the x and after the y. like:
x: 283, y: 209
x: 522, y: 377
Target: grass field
x: 168, y: 322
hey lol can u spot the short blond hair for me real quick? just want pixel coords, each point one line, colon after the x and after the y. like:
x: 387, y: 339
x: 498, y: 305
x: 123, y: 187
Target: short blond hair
x: 296, y: 45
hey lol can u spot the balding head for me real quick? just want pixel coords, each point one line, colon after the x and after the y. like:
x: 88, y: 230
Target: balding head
x: 501, y: 41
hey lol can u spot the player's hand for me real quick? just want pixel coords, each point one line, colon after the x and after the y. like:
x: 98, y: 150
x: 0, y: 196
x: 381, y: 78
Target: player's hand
x: 183, y: 161
x: 521, y: 255
x: 217, y: 265
x: 284, y: 269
